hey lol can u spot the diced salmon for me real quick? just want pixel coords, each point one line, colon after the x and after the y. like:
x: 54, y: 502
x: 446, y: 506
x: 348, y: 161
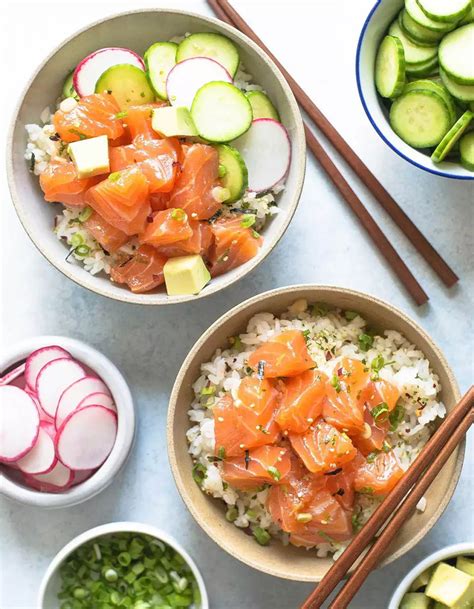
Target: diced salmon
x: 143, y: 272
x: 342, y: 411
x: 373, y: 437
x: 60, y: 184
x: 379, y: 475
x: 378, y: 392
x: 93, y: 115
x: 200, y: 242
x: 353, y: 376
x: 341, y: 484
x: 138, y: 120
x: 283, y: 355
x: 262, y: 465
x: 122, y: 200
x: 323, y: 448
x: 235, y: 244
x: 167, y: 227
x: 159, y: 160
x: 302, y: 401
x: 194, y: 186
x: 159, y: 201
x: 121, y: 157
x: 109, y: 237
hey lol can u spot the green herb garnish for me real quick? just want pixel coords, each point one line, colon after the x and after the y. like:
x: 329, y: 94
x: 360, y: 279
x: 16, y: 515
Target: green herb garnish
x: 232, y: 514
x: 199, y: 474
x: 274, y: 473
x: 221, y: 452
x: 122, y: 114
x: 366, y: 490
x: 247, y: 220
x: 179, y: 215
x: 379, y: 411
x: 236, y: 343
x: 365, y: 341
x: 114, y: 176
x: 82, y: 251
x: 85, y: 214
x: 371, y: 457
x: 350, y: 315
x: 320, y: 309
x: 261, y: 535
x: 80, y: 135
x: 336, y: 383
x: 396, y: 417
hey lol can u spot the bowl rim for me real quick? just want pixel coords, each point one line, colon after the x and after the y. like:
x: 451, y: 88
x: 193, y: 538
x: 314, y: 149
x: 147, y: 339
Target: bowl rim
x: 124, y: 440
x: 360, y: 89
x: 298, y: 157
x: 262, y: 298
x: 119, y: 527
x: 437, y: 556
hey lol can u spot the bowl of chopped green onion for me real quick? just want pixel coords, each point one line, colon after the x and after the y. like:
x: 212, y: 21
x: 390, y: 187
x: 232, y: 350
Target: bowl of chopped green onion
x: 123, y: 564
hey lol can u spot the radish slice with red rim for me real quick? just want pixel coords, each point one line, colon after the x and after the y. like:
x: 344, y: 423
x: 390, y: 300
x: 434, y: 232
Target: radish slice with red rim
x: 266, y: 150
x: 86, y: 437
x: 38, y: 359
x: 54, y: 379
x: 99, y: 399
x: 41, y: 459
x: 75, y: 393
x: 20, y: 423
x: 13, y: 375
x: 94, y: 65
x: 58, y: 479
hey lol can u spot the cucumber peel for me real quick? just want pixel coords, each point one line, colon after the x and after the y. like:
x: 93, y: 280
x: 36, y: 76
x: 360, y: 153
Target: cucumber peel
x: 159, y: 59
x: 453, y: 135
x: 413, y: 9
x: 390, y: 67
x: 235, y: 178
x: 414, y: 53
x: 211, y: 45
x: 418, y: 33
x: 466, y: 149
x: 465, y: 93
x: 445, y: 10
x: 262, y: 107
x: 456, y: 54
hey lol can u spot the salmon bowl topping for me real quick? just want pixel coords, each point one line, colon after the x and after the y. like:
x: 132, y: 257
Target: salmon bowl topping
x: 161, y: 163
x: 305, y: 421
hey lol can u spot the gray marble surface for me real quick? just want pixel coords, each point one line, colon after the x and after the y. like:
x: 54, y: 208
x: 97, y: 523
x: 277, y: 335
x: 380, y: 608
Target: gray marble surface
x: 324, y: 244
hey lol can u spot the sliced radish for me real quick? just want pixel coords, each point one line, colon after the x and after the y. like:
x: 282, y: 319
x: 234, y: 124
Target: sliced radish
x: 41, y: 459
x: 75, y: 393
x: 86, y: 437
x: 58, y: 479
x: 19, y: 423
x: 266, y: 150
x: 188, y: 76
x: 39, y: 358
x: 94, y: 65
x: 99, y: 399
x: 43, y: 415
x: 52, y: 381
x: 82, y: 476
x: 13, y: 375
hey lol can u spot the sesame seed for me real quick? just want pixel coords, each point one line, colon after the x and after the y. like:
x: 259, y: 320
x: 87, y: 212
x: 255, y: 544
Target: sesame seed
x: 241, y: 445
x: 310, y: 420
x: 220, y: 419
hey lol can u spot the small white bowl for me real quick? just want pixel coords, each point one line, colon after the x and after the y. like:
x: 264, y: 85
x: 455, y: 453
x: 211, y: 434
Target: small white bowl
x: 50, y: 584
x: 449, y: 552
x: 375, y: 27
x: 11, y: 487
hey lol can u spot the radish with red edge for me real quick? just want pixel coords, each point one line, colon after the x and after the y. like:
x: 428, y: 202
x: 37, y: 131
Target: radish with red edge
x: 98, y: 399
x: 82, y: 476
x: 94, y: 65
x: 19, y: 423
x: 43, y: 415
x: 58, y: 479
x: 187, y: 77
x: 86, y: 437
x: 75, y: 393
x: 41, y: 459
x: 38, y: 359
x: 53, y: 379
x: 13, y: 375
x: 266, y: 150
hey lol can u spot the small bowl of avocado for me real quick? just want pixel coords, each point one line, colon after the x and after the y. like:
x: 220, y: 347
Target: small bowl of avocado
x: 444, y: 580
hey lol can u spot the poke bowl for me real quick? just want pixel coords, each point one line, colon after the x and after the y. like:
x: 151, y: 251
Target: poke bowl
x: 418, y: 52
x: 139, y: 562
x: 294, y: 414
x: 197, y: 145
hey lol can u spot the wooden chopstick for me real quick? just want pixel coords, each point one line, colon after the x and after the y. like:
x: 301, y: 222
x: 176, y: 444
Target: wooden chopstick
x: 356, y: 205
x: 415, y: 236
x: 428, y: 464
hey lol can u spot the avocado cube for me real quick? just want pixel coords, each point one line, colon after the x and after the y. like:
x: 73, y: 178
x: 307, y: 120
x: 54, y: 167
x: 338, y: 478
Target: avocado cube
x: 415, y: 600
x: 173, y: 122
x: 90, y: 156
x: 422, y: 580
x: 466, y: 564
x: 185, y: 275
x: 451, y: 587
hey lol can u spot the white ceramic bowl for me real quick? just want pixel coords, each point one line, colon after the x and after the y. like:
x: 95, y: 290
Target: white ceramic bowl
x: 47, y: 597
x: 449, y: 552
x: 12, y: 487
x: 137, y: 30
x: 375, y: 27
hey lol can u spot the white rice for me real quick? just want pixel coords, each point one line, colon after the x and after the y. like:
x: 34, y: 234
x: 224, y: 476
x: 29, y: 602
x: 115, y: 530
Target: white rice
x: 330, y: 337
x: 41, y: 149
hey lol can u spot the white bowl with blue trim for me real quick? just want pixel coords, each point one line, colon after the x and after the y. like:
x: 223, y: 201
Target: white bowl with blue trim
x: 374, y: 29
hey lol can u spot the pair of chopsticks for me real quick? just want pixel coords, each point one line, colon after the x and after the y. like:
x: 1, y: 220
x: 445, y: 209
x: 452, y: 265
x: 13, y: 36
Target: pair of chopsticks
x: 229, y: 15
x: 401, y: 503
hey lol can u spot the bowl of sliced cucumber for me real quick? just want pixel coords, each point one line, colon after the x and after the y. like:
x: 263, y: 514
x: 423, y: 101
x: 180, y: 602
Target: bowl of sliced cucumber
x: 415, y: 76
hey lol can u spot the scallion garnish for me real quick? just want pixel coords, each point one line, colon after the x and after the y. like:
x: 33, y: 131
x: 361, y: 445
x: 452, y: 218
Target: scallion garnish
x: 85, y: 214
x: 82, y: 251
x: 350, y: 315
x: 261, y: 535
x: 199, y: 474
x: 396, y: 417
x: 179, y: 215
x: 335, y: 382
x: 380, y: 411
x: 247, y: 220
x: 365, y: 341
x: 274, y: 473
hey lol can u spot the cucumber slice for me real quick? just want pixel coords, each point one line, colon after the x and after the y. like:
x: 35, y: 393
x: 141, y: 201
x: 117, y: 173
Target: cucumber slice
x: 469, y: 18
x: 128, y: 84
x: 456, y: 55
x: 420, y: 70
x: 236, y: 177
x: 416, y: 32
x: 214, y: 46
x: 415, y: 12
x: 420, y: 118
x: 414, y: 53
x: 429, y: 85
x: 452, y: 137
x: 445, y: 10
x: 463, y: 92
x: 262, y: 107
x: 221, y: 112
x: 466, y: 149
x: 390, y: 67
x: 159, y: 59
x: 68, y: 87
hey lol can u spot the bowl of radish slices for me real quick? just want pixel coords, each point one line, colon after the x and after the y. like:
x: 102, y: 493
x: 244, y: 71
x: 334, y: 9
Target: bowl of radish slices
x: 68, y: 421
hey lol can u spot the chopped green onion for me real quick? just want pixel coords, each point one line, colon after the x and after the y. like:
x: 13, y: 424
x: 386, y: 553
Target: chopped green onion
x: 365, y: 341
x: 336, y: 383
x: 371, y: 457
x: 379, y: 411
x: 357, y: 520
x: 221, y: 452
x: 247, y: 220
x: 350, y: 315
x: 274, y: 473
x: 114, y: 176
x: 179, y: 215
x: 386, y: 447
x: 76, y: 240
x: 366, y: 490
x: 319, y: 309
x: 199, y: 474
x: 82, y: 251
x: 396, y: 417
x: 232, y: 514
x: 255, y: 235
x: 85, y: 214
x: 261, y: 535
x: 236, y: 343
x: 122, y: 114
x: 377, y: 363
x: 124, y: 559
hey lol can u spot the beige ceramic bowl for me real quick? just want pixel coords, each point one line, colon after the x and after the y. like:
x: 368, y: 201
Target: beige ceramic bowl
x: 290, y: 562
x: 137, y: 30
